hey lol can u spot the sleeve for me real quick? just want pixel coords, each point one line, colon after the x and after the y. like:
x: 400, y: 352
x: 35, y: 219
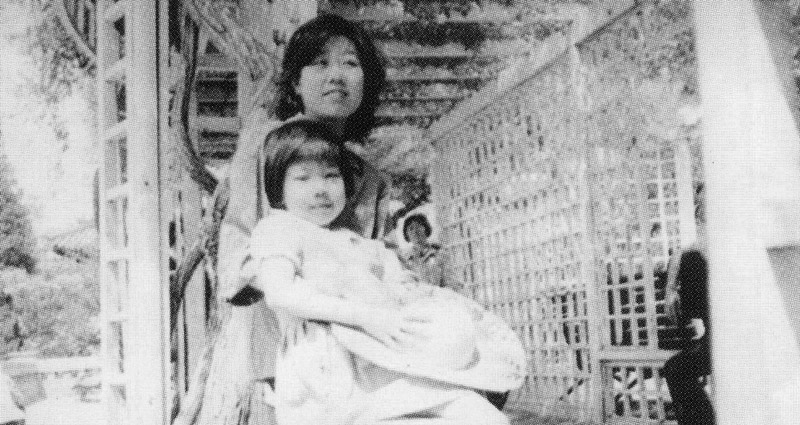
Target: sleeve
x: 243, y: 173
x: 276, y: 236
x: 242, y: 211
x: 693, y: 278
x: 366, y: 212
x: 381, y: 207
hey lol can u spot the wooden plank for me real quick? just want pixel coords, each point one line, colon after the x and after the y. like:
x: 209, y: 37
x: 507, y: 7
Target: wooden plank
x: 215, y: 62
x: 109, y: 129
x: 630, y: 356
x: 218, y: 124
x: 116, y: 72
x: 116, y: 193
x: 647, y: 265
x: 148, y: 291
x: 750, y: 143
x: 15, y: 367
x: 115, y: 10
x: 115, y: 131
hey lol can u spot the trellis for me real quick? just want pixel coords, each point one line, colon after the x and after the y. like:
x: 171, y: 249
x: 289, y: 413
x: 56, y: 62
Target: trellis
x: 133, y: 296
x: 560, y: 217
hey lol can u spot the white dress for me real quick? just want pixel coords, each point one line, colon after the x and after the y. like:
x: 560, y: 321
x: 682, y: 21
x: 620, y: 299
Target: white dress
x: 317, y: 380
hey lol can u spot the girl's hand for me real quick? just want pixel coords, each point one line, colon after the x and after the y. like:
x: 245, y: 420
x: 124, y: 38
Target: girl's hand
x: 395, y: 328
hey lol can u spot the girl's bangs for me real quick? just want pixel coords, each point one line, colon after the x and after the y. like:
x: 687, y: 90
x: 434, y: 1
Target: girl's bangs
x: 319, y: 150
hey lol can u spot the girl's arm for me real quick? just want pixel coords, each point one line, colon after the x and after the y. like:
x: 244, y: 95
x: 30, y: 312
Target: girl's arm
x: 282, y: 290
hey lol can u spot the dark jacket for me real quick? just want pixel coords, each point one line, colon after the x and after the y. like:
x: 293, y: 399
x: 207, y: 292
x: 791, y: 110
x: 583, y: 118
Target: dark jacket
x: 693, y: 290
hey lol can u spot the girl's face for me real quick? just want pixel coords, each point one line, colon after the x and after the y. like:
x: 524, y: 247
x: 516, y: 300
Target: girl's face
x: 332, y: 85
x: 314, y: 191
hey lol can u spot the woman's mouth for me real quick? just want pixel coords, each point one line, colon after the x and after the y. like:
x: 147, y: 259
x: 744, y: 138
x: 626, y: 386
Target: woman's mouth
x: 338, y: 93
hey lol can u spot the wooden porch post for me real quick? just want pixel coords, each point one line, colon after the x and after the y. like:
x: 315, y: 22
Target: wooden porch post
x: 148, y: 296
x: 752, y: 159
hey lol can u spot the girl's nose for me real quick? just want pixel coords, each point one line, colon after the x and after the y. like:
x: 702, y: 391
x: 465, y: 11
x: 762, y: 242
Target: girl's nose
x: 321, y: 189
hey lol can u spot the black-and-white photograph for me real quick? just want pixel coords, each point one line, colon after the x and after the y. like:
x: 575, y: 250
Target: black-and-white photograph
x: 400, y: 212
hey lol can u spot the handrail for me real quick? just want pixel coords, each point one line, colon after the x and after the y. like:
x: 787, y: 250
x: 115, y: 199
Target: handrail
x: 25, y: 366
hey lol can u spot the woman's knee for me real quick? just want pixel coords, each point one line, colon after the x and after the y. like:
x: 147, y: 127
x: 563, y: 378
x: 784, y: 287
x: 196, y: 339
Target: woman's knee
x: 672, y: 368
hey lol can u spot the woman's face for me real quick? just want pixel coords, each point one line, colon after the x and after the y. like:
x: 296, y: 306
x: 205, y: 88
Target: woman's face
x: 314, y: 191
x: 332, y: 85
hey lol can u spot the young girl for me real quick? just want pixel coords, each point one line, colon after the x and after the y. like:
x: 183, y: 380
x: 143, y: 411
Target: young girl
x: 336, y: 293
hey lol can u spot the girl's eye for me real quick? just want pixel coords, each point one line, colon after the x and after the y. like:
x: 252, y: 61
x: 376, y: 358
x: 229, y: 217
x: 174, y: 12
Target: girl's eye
x: 333, y: 175
x: 352, y: 62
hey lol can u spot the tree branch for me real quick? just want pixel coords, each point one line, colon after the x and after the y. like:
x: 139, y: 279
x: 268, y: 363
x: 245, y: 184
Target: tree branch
x: 194, y: 165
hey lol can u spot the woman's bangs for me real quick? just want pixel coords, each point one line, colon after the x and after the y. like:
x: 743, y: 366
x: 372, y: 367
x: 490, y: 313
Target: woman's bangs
x: 312, y: 43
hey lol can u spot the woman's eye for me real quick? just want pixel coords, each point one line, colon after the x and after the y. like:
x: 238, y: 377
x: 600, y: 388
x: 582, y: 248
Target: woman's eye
x: 352, y: 62
x: 333, y: 175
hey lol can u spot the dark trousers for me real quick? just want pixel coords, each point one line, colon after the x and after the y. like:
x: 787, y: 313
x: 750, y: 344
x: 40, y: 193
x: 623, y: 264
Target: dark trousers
x: 682, y: 372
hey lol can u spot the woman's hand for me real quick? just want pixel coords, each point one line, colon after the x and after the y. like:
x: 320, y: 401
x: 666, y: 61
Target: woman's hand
x: 698, y: 327
x: 395, y: 328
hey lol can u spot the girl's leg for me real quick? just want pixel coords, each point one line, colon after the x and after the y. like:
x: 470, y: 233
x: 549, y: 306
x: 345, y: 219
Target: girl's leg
x: 467, y: 408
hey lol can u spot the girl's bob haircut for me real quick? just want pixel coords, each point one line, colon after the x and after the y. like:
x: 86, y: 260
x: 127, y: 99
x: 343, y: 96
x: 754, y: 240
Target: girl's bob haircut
x: 302, y: 140
x: 305, y: 45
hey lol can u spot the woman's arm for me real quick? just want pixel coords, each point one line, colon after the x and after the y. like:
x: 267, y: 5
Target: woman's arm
x: 283, y: 290
x: 232, y: 261
x: 242, y: 212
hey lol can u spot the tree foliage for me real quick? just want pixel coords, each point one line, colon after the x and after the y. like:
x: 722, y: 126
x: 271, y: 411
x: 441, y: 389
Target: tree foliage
x: 17, y: 242
x: 53, y: 312
x: 62, y: 63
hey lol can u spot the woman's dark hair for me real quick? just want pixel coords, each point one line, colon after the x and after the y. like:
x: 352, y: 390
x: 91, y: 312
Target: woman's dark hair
x: 416, y: 218
x: 302, y: 140
x: 306, y: 44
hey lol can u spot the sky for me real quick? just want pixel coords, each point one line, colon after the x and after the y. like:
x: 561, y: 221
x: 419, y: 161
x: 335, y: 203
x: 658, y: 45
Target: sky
x: 54, y: 176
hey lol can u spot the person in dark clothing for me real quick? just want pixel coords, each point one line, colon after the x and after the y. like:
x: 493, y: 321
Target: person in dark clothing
x: 684, y: 370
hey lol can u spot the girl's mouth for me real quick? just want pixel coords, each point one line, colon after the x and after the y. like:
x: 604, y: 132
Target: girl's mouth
x: 321, y: 206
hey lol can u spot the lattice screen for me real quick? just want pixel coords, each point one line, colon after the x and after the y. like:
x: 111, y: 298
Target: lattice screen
x: 560, y: 208
x: 512, y: 191
x: 114, y: 222
x: 133, y: 295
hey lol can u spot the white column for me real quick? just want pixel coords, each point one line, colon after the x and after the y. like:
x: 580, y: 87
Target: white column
x: 148, y: 302
x: 751, y: 154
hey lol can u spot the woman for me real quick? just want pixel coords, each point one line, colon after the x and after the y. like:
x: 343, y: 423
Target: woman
x: 332, y: 73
